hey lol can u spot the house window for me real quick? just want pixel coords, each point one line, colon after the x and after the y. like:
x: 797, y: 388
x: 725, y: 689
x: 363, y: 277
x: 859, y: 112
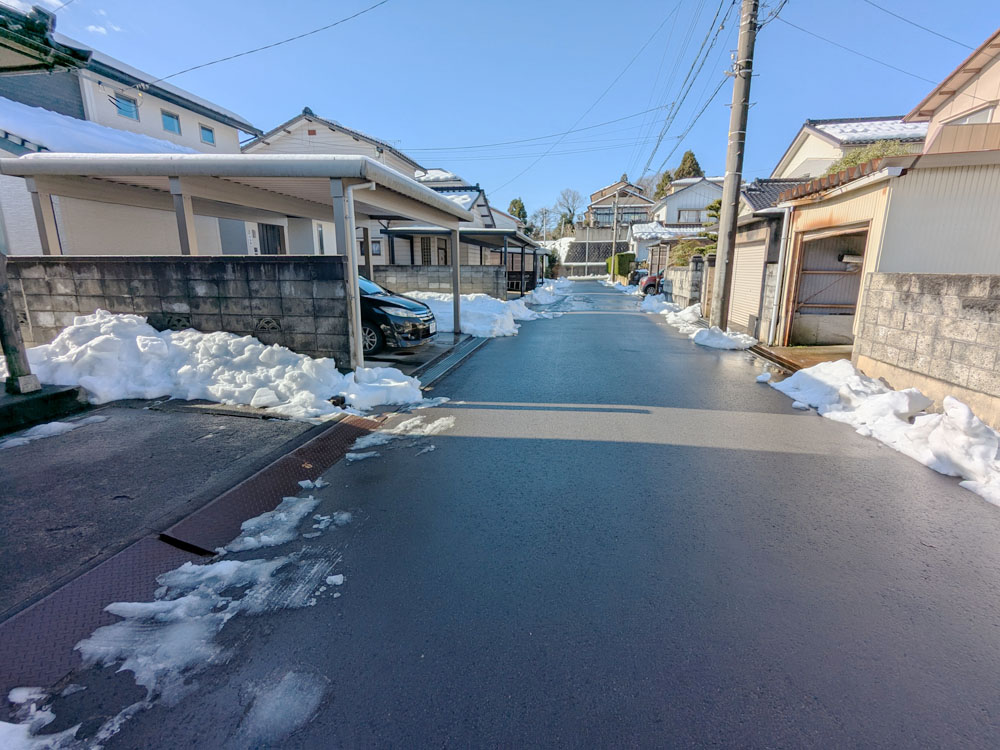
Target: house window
x: 376, y: 247
x: 442, y: 252
x: 691, y: 216
x: 171, y: 122
x: 980, y: 116
x: 319, y: 239
x: 425, y: 251
x: 207, y: 135
x: 127, y: 106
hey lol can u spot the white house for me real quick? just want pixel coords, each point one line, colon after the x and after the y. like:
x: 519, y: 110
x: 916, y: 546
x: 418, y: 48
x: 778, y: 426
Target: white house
x: 686, y: 201
x: 107, y: 106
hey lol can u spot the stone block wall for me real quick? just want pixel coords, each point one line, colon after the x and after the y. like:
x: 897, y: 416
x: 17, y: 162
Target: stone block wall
x: 491, y: 280
x: 682, y: 284
x: 295, y: 301
x: 936, y: 332
x: 770, y: 284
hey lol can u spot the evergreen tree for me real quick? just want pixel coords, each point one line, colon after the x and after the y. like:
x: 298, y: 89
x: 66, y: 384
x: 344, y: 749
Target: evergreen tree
x: 663, y: 185
x: 517, y: 210
x: 689, y: 167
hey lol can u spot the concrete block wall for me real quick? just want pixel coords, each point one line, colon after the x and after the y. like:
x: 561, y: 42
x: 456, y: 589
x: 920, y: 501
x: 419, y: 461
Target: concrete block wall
x: 491, y: 280
x: 936, y: 332
x: 770, y: 284
x: 682, y: 284
x: 295, y: 301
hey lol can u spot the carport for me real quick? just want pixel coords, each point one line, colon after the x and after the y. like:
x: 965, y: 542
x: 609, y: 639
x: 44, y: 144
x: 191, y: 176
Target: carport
x: 241, y: 187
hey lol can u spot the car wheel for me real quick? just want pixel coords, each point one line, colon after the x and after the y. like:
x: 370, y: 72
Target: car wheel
x: 372, y: 339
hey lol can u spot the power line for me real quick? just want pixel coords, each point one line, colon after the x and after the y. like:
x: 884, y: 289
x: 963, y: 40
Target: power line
x: 269, y: 46
x: 904, y: 19
x: 56, y: 10
x: 691, y: 124
x: 855, y: 52
x: 598, y: 99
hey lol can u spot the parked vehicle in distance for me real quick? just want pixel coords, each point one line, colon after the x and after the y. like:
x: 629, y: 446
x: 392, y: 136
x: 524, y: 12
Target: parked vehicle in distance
x: 651, y: 284
x: 393, y: 321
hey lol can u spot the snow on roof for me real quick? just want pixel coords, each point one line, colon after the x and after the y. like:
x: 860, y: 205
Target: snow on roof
x: 654, y: 230
x: 437, y: 175
x: 98, y: 57
x: 56, y: 132
x: 464, y: 198
x: 871, y: 130
x: 692, y: 180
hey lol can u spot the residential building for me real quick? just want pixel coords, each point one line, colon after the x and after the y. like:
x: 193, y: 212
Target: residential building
x: 107, y: 106
x: 686, y: 200
x: 820, y: 143
x: 632, y: 201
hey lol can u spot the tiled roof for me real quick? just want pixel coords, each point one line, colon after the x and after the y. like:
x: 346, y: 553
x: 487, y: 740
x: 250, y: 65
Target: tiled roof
x: 761, y: 194
x: 856, y: 130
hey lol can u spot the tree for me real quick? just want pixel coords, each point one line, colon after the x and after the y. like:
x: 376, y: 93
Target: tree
x: 542, y: 221
x: 567, y: 205
x: 713, y: 209
x: 517, y: 210
x: 663, y: 185
x: 689, y: 167
x: 877, y: 150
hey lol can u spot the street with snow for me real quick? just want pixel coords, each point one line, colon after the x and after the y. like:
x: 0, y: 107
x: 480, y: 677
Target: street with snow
x: 608, y: 526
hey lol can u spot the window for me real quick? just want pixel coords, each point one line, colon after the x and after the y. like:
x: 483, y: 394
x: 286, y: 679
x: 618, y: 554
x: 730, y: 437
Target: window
x: 207, y: 135
x: 376, y: 247
x: 425, y: 251
x: 442, y: 252
x: 171, y: 122
x: 319, y: 237
x: 980, y: 116
x: 692, y: 216
x: 127, y: 106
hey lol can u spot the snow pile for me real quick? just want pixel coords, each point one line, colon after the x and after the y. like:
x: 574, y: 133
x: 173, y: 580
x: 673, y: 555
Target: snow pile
x: 619, y: 287
x: 684, y: 320
x: 482, y: 315
x: 593, y: 277
x: 121, y: 356
x: 716, y: 338
x: 764, y: 377
x: 657, y: 303
x: 955, y: 442
x: 275, y: 527
x: 550, y: 292
x: 50, y: 429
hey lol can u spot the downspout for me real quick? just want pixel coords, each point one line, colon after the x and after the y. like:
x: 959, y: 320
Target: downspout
x: 786, y: 234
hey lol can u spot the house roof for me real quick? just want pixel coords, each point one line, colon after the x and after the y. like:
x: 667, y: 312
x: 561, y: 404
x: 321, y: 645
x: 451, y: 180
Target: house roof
x: 764, y: 193
x: 861, y: 130
x: 686, y: 183
x: 655, y: 230
x: 986, y: 53
x: 620, y: 184
x: 436, y: 174
x: 26, y: 43
x: 109, y: 67
x: 308, y: 115
x: 25, y: 129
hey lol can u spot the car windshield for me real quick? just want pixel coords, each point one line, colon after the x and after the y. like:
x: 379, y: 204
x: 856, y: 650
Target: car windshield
x: 370, y: 287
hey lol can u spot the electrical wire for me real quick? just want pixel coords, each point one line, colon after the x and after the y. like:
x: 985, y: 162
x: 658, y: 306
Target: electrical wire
x: 914, y: 23
x: 691, y: 124
x: 596, y: 101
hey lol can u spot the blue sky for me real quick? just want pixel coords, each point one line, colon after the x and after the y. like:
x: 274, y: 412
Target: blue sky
x: 429, y: 74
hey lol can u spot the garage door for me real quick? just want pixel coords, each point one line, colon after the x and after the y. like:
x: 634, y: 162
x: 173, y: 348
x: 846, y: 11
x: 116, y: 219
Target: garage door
x: 748, y: 278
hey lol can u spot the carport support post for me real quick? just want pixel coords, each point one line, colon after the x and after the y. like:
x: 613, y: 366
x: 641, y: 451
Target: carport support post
x: 45, y: 218
x: 185, y: 217
x: 522, y: 270
x: 19, y: 378
x: 456, y: 278
x: 343, y: 219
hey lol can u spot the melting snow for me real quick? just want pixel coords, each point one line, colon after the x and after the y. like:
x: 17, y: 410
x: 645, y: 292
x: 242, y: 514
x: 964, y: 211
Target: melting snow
x: 274, y: 527
x: 716, y: 338
x: 50, y: 429
x: 954, y: 442
x: 278, y: 710
x: 121, y: 356
x: 335, y: 580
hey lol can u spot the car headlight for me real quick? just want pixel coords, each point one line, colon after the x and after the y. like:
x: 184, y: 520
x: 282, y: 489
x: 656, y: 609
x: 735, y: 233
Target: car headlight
x: 401, y: 312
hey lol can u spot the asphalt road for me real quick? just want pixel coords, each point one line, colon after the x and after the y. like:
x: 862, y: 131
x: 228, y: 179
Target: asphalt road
x: 623, y: 542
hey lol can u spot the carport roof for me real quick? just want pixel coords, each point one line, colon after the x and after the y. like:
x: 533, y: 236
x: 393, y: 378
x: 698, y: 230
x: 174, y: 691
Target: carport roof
x: 301, y: 177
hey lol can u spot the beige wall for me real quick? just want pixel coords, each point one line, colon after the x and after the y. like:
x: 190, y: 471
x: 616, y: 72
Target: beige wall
x: 809, y: 159
x: 983, y: 90
x: 98, y: 91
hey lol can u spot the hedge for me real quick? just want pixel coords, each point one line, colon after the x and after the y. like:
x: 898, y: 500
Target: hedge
x: 623, y: 262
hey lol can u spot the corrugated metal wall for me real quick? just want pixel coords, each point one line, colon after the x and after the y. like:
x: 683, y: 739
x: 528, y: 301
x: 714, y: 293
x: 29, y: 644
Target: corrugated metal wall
x: 944, y: 221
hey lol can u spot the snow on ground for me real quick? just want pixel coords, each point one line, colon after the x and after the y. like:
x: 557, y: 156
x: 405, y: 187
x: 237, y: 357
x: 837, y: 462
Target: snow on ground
x: 954, y: 442
x: 686, y: 320
x: 275, y: 527
x: 592, y: 277
x: 415, y: 427
x: 486, y: 316
x: 619, y: 287
x: 121, y: 356
x: 278, y: 710
x: 49, y: 429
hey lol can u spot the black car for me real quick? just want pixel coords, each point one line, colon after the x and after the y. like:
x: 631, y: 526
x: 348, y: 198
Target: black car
x: 392, y: 320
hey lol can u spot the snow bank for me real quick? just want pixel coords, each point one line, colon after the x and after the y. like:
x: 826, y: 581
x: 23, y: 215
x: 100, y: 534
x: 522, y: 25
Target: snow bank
x: 684, y: 320
x: 549, y: 292
x: 657, y: 303
x: 49, y: 429
x: 121, y: 356
x: 716, y: 338
x: 275, y: 527
x: 955, y: 442
x: 486, y: 316
x: 619, y: 287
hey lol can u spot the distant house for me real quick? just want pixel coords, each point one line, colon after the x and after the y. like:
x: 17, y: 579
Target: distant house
x: 644, y: 237
x: 820, y: 143
x: 686, y: 200
x: 107, y: 106
x: 633, y: 205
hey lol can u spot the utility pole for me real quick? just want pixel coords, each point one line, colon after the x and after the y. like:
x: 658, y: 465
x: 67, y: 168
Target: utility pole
x: 742, y: 73
x: 614, y: 240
